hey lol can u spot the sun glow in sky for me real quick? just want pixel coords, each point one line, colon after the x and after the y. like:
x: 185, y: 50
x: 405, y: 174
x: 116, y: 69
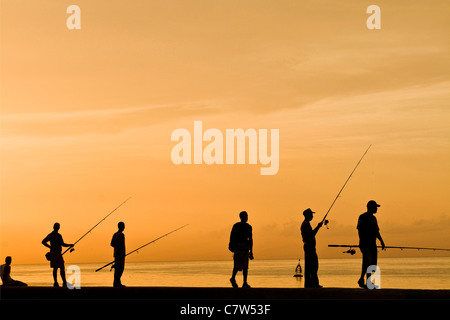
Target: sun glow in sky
x: 87, y: 117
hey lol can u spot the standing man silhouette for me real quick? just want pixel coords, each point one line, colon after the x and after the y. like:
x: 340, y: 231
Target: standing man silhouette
x: 309, y: 245
x: 118, y: 243
x: 241, y: 244
x: 55, y: 256
x: 368, y: 232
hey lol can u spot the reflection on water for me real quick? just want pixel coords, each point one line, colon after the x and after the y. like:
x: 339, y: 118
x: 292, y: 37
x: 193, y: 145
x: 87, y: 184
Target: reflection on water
x: 409, y: 273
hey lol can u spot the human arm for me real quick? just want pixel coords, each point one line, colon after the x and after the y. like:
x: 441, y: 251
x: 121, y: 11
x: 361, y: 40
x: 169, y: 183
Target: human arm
x: 250, y: 242
x: 378, y: 235
x: 45, y: 242
x: 7, y: 274
x: 383, y: 247
x: 66, y: 244
x: 319, y: 225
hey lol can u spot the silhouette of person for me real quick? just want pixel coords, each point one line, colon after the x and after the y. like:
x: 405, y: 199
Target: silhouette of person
x: 5, y: 274
x: 55, y: 255
x: 118, y: 243
x: 309, y: 246
x: 241, y: 244
x: 368, y: 232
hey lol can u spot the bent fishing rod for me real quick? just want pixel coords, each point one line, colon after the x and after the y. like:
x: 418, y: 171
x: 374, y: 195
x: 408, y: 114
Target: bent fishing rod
x: 154, y: 240
x: 340, y: 191
x: 72, y: 247
x: 352, y: 251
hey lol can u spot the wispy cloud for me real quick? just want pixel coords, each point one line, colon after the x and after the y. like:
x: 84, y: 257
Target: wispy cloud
x: 405, y: 120
x: 57, y: 124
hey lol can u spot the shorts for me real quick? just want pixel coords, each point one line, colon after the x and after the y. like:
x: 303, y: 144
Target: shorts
x: 56, y: 260
x: 240, y: 259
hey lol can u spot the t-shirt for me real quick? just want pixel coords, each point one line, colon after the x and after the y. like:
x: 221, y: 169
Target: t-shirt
x: 241, y: 237
x: 5, y: 271
x: 118, y: 243
x: 56, y: 241
x: 367, y: 229
x: 308, y: 235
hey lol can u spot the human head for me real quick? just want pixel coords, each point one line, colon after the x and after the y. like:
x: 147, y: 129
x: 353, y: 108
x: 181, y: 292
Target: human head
x: 56, y: 226
x: 121, y: 226
x: 308, y: 213
x: 372, y: 206
x: 8, y: 260
x: 244, y: 216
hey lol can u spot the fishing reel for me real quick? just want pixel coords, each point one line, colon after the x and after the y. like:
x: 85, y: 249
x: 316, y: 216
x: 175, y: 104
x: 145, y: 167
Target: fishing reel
x: 71, y: 250
x: 351, y: 251
x: 326, y: 223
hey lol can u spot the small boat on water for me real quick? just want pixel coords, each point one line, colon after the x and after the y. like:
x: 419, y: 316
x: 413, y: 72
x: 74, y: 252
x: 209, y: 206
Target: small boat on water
x: 298, y: 270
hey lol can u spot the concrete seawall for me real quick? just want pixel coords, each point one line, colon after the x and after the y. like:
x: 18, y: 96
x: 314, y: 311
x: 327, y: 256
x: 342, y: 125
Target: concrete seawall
x: 190, y: 293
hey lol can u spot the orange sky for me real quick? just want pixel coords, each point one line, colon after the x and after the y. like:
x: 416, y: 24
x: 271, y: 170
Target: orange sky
x: 87, y: 116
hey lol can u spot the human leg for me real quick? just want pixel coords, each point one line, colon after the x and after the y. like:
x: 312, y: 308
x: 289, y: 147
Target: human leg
x: 62, y: 271
x: 55, y: 277
x: 119, y: 266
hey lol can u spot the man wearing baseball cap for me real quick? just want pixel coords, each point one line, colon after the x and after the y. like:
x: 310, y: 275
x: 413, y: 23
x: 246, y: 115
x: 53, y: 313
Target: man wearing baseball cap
x: 368, y: 232
x: 309, y: 245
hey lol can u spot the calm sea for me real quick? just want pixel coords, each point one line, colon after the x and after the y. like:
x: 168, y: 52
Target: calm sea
x: 407, y: 273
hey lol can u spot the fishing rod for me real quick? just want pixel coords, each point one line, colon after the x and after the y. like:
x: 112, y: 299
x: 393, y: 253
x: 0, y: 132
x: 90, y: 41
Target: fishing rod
x: 352, y: 251
x: 72, y: 247
x: 154, y: 240
x: 324, y: 218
